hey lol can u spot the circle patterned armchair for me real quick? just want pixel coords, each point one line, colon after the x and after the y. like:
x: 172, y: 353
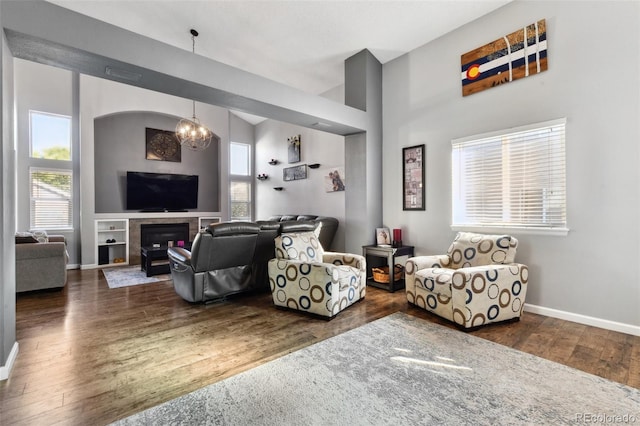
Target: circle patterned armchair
x: 477, y: 282
x: 305, y: 277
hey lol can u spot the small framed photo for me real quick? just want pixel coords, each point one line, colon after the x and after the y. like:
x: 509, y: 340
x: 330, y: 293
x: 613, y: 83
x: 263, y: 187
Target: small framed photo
x: 383, y: 237
x: 294, y: 173
x: 293, y: 149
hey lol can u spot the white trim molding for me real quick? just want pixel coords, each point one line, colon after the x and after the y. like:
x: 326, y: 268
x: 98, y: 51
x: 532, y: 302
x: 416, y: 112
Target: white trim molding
x: 584, y: 319
x: 5, y: 370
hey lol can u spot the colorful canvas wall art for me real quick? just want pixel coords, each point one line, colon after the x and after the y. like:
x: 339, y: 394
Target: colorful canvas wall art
x: 517, y: 55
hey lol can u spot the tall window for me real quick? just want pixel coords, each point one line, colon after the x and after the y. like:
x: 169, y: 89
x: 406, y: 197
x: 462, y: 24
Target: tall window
x: 240, y: 181
x: 50, y: 174
x: 512, y: 179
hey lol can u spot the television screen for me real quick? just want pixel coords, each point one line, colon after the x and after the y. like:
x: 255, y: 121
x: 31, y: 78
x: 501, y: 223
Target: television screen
x: 161, y: 191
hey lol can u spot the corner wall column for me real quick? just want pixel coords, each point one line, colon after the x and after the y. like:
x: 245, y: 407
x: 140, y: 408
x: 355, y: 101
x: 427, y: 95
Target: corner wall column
x: 8, y: 343
x: 363, y: 152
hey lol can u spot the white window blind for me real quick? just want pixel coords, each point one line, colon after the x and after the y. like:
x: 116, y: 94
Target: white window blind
x: 240, y: 200
x: 51, y: 202
x: 240, y: 178
x: 514, y: 179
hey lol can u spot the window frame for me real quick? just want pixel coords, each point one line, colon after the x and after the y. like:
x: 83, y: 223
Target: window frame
x: 39, y: 164
x: 235, y: 178
x: 520, y: 228
x: 33, y: 200
x: 50, y: 114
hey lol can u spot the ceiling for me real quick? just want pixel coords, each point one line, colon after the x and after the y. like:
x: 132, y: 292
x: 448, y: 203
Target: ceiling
x: 302, y: 44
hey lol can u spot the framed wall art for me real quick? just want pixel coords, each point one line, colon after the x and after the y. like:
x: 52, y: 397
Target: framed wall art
x: 294, y: 173
x: 413, y: 178
x: 293, y: 149
x: 162, y: 145
x: 334, y: 179
x: 521, y: 54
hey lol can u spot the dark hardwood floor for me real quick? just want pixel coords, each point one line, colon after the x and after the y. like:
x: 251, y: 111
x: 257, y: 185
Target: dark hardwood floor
x: 92, y: 355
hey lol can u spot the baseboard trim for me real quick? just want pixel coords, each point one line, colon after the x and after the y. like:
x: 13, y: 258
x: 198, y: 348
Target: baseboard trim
x: 5, y: 370
x: 90, y: 266
x: 584, y: 319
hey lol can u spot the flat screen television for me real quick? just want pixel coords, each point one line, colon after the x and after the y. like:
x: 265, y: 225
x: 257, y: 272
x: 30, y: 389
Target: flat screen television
x: 161, y: 191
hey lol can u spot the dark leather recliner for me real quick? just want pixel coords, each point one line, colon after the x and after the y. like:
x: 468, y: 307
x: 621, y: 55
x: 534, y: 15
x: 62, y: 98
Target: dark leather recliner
x: 219, y: 263
x: 327, y: 231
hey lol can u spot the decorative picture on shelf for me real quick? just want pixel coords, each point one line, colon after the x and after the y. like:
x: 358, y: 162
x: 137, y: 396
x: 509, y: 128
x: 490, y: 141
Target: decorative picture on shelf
x: 413, y: 183
x: 383, y: 238
x: 334, y: 180
x: 162, y: 145
x: 294, y: 149
x: 294, y: 173
x: 521, y: 54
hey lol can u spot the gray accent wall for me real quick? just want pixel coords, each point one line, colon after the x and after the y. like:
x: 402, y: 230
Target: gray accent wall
x: 593, y: 81
x: 363, y: 90
x: 119, y: 146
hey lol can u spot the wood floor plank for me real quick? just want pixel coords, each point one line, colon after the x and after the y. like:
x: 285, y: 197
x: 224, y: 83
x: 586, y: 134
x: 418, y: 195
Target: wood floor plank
x: 92, y: 355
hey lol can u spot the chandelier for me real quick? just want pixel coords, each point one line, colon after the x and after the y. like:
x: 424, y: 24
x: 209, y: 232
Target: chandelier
x: 189, y: 131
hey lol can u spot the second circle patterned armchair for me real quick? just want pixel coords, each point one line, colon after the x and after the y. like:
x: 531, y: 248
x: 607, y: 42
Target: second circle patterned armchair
x: 477, y: 282
x: 305, y: 277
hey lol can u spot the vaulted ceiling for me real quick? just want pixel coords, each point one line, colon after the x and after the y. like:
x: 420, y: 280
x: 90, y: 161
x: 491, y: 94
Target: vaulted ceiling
x: 302, y: 44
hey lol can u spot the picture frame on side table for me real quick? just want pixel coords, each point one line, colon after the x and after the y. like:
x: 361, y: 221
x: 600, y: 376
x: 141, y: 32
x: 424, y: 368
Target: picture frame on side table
x: 413, y: 178
x: 383, y: 237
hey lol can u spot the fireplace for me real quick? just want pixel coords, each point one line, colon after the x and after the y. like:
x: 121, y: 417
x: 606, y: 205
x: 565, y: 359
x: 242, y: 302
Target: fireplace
x: 135, y: 233
x: 161, y: 233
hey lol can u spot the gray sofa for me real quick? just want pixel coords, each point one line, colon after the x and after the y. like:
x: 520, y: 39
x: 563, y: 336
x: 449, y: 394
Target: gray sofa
x: 41, y: 265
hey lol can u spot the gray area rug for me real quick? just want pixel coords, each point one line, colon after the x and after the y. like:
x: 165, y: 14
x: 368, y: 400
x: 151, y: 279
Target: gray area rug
x: 125, y: 276
x: 402, y: 370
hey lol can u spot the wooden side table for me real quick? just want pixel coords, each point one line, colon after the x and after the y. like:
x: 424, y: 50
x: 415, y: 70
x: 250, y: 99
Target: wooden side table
x: 389, y: 253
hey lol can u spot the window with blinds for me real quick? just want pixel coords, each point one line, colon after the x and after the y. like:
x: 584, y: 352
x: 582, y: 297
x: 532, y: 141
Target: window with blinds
x: 240, y: 177
x: 512, y: 180
x: 51, y: 198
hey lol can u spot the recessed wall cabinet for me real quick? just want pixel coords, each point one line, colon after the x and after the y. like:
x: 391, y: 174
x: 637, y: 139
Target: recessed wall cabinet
x: 112, y: 242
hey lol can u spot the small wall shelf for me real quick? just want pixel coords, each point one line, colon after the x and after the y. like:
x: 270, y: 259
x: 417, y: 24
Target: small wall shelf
x: 262, y: 176
x: 314, y: 165
x: 278, y: 188
x: 273, y: 161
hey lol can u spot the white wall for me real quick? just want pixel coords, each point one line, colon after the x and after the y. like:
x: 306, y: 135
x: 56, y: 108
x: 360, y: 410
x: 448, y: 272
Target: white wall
x: 305, y: 196
x: 592, y: 81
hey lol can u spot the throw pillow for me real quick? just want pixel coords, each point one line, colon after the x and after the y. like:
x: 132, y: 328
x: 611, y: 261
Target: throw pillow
x: 471, y: 249
x: 303, y: 246
x: 40, y: 235
x: 25, y: 238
